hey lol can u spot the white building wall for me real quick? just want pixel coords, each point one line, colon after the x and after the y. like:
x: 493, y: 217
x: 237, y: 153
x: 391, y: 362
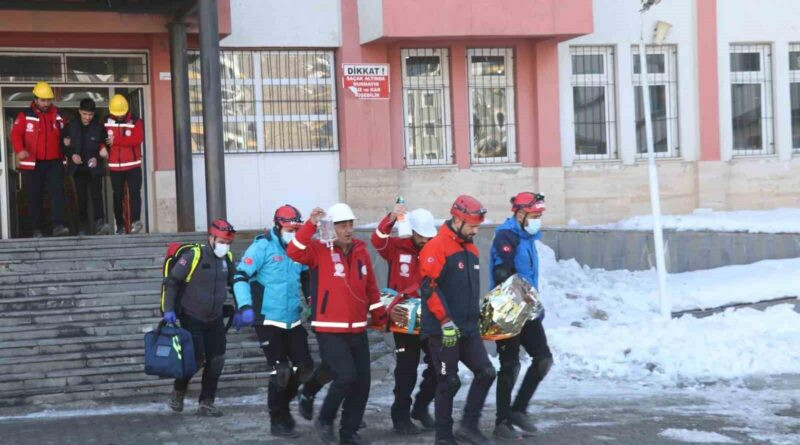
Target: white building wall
x: 773, y: 22
x: 617, y: 24
x: 258, y: 183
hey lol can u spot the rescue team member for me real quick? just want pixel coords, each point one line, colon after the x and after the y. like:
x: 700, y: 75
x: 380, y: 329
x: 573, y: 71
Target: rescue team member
x: 268, y: 282
x: 344, y: 291
x: 200, y: 310
x: 124, y: 135
x: 402, y: 256
x: 36, y: 138
x: 514, y: 251
x: 85, y: 150
x: 450, y: 269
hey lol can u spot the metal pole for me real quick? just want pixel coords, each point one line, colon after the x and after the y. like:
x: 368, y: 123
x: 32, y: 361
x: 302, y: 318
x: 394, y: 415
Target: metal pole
x: 655, y: 199
x: 181, y: 126
x: 212, y: 110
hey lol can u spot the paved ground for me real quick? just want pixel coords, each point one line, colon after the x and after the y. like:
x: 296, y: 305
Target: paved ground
x: 765, y: 413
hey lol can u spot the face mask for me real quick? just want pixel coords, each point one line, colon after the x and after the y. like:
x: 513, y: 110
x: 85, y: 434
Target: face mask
x: 533, y: 226
x: 287, y: 237
x: 221, y: 249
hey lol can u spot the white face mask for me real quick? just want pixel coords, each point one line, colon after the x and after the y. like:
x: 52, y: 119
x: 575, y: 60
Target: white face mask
x: 287, y: 237
x: 221, y: 249
x: 533, y: 226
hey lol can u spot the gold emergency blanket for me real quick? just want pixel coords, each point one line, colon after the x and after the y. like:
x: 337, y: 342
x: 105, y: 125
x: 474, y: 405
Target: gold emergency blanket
x: 405, y: 309
x: 506, y: 308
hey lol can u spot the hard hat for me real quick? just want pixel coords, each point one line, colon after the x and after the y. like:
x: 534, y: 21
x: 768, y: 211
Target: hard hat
x: 288, y: 216
x: 528, y: 202
x: 118, y: 105
x: 469, y: 209
x: 422, y: 222
x: 42, y: 90
x: 223, y: 230
x: 340, y: 212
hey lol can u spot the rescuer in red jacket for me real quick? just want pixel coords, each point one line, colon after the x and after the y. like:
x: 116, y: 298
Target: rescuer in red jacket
x: 124, y: 136
x: 343, y: 292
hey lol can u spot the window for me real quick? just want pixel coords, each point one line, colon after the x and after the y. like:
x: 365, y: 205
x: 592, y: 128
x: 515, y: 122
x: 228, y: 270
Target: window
x: 594, y: 102
x: 751, y: 99
x: 794, y: 93
x: 74, y: 68
x: 272, y: 101
x: 426, y: 106
x: 663, y: 80
x: 491, y: 102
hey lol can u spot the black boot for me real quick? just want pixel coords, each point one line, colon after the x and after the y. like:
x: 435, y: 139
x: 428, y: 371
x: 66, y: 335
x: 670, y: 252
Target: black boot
x: 175, y: 402
x: 208, y: 409
x: 505, y: 431
x: 424, y: 418
x: 469, y: 432
x: 325, y: 432
x: 405, y: 427
x: 355, y: 439
x: 523, y: 422
x: 305, y: 404
x: 281, y: 427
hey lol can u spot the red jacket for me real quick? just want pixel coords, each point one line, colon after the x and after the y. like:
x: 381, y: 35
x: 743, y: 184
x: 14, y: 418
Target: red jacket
x: 343, y: 286
x: 126, y: 150
x: 39, y: 133
x: 402, y: 257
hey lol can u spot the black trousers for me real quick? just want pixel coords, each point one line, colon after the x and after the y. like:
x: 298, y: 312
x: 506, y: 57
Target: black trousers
x: 88, y: 185
x: 472, y: 353
x: 407, y: 352
x: 284, y: 348
x: 347, y: 355
x: 534, y: 340
x: 133, y: 178
x: 209, y: 352
x: 49, y: 176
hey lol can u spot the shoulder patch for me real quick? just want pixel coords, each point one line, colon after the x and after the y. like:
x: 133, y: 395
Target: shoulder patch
x: 431, y: 259
x: 182, y: 261
x: 248, y: 261
x: 506, y: 248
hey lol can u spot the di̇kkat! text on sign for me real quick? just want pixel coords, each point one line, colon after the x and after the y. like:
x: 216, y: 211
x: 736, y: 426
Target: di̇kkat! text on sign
x: 366, y: 80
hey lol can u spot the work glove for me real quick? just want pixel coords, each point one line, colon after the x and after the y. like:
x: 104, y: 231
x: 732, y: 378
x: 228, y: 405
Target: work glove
x: 169, y: 317
x: 244, y: 317
x: 450, y: 334
x: 379, y: 318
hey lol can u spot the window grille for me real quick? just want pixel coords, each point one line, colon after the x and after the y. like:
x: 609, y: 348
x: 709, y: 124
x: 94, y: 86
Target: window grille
x: 751, y: 99
x: 794, y: 92
x: 594, y: 102
x: 663, y: 81
x: 491, y: 104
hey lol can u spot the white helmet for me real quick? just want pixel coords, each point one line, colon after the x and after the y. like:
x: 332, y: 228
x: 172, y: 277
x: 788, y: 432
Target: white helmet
x: 340, y: 212
x: 422, y: 222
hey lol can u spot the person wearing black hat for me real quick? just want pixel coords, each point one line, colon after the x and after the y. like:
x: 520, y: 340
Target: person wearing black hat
x: 85, y: 151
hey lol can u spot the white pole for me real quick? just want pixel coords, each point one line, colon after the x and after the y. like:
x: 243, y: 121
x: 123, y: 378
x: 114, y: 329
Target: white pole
x: 655, y: 200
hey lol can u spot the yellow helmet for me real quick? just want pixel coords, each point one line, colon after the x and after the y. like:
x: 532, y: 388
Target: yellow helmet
x: 118, y: 106
x: 42, y: 90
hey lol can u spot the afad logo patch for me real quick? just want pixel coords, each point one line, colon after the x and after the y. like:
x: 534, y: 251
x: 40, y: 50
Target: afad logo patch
x: 248, y: 261
x: 277, y: 258
x: 461, y: 265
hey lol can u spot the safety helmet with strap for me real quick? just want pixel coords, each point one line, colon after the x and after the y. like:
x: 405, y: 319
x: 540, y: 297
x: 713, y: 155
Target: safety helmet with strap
x: 223, y: 230
x: 468, y: 209
x: 528, y: 202
x: 118, y: 105
x: 288, y: 216
x: 42, y: 90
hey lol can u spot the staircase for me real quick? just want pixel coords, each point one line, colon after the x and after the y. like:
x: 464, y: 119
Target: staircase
x: 73, y: 313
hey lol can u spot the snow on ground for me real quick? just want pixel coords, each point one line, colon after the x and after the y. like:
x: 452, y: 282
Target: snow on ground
x: 695, y: 436
x: 784, y: 220
x: 605, y: 324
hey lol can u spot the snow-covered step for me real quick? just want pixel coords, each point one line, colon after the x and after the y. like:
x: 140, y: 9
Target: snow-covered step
x: 37, y: 303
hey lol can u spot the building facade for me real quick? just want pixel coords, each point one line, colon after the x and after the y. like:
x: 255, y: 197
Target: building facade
x: 483, y: 97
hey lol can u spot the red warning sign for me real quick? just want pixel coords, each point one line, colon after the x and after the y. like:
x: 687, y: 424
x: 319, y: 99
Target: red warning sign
x: 366, y: 80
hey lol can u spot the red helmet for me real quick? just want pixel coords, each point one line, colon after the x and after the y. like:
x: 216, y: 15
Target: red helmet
x: 468, y: 209
x: 528, y: 202
x: 223, y: 230
x: 288, y: 216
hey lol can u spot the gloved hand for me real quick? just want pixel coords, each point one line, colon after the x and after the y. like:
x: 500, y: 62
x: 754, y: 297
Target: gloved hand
x: 450, y: 334
x: 169, y: 317
x: 244, y: 317
x: 379, y: 318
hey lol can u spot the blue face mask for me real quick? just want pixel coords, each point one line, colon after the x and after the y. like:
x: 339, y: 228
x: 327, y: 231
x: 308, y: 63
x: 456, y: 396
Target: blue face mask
x: 533, y: 226
x: 287, y: 237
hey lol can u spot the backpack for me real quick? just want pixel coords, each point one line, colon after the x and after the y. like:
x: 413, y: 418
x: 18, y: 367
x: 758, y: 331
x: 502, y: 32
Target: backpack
x: 174, y: 252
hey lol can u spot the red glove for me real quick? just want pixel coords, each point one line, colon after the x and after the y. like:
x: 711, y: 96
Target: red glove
x: 379, y: 318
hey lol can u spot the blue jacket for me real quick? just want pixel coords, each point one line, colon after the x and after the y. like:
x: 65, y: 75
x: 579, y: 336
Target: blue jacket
x: 514, y: 251
x: 269, y: 281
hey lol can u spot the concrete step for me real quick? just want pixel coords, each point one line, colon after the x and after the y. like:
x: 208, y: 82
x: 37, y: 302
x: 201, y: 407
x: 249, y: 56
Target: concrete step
x: 36, y: 319
x: 82, y: 252
x: 81, y: 287
x: 99, y: 241
x: 66, y: 277
x: 73, y: 264
x: 37, y: 303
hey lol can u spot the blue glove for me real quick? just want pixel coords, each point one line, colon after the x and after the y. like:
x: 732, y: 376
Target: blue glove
x: 169, y: 317
x: 244, y: 317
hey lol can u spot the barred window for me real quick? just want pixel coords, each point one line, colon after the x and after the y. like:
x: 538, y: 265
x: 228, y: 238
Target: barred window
x: 663, y: 81
x: 794, y: 93
x: 272, y: 101
x: 491, y: 102
x: 73, y: 67
x: 594, y: 102
x: 426, y: 106
x: 751, y: 99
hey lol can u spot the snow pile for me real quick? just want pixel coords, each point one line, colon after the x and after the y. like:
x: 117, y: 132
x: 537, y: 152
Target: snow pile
x: 785, y: 220
x: 695, y: 436
x: 606, y: 324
